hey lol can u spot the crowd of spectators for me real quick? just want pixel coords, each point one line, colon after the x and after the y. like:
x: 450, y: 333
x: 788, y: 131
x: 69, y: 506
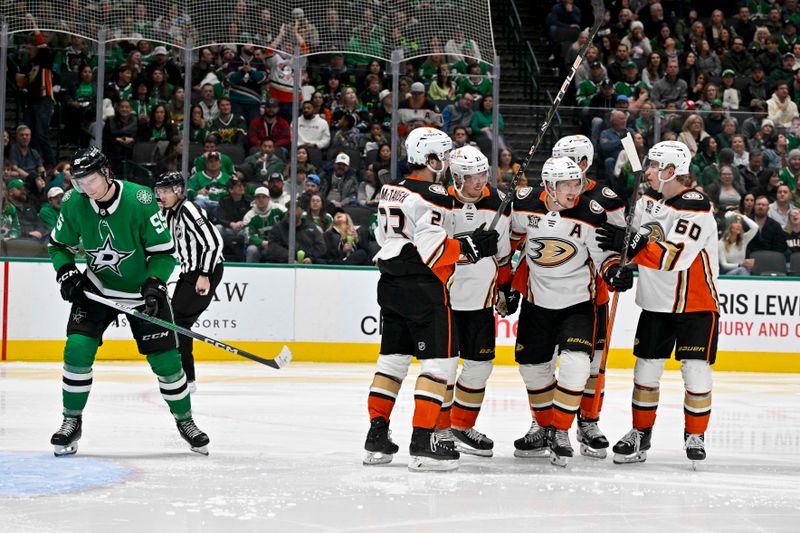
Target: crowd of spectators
x: 240, y: 126
x: 722, y: 77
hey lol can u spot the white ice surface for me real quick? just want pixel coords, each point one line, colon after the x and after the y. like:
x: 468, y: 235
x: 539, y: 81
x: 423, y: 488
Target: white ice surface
x: 286, y: 450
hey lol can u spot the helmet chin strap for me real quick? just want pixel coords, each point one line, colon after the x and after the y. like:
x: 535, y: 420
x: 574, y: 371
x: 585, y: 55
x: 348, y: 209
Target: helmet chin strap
x: 661, y: 182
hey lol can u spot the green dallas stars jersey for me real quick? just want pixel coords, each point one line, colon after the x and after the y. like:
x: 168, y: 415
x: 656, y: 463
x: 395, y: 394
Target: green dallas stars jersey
x: 124, y: 245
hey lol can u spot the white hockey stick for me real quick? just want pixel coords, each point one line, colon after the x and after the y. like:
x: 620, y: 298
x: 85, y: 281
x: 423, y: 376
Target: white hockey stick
x: 280, y: 361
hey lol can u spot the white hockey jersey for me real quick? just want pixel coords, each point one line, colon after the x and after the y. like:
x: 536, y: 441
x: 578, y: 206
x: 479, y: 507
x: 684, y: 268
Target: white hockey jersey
x: 414, y: 229
x: 561, y: 250
x: 473, y: 285
x: 679, y: 265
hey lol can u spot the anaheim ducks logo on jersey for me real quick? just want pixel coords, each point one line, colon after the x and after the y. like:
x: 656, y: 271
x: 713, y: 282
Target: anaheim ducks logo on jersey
x: 551, y: 252
x: 653, y: 231
x: 108, y: 257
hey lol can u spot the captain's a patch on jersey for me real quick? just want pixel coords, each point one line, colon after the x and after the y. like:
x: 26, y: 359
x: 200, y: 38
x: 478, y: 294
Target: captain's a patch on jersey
x: 144, y: 196
x: 438, y: 189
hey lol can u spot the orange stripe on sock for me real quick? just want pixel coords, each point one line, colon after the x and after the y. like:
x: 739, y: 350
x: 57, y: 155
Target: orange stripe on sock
x: 379, y: 406
x: 696, y: 423
x: 426, y: 413
x: 545, y: 417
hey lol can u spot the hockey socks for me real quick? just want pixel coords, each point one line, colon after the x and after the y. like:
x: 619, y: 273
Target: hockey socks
x: 389, y: 375
x: 429, y: 395
x: 469, y: 392
x: 590, y: 390
x: 644, y: 405
x: 566, y: 403
x: 443, y: 420
x: 77, y: 375
x: 172, y: 382
x: 697, y: 399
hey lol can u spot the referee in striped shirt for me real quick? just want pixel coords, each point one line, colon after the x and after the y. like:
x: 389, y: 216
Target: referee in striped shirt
x: 199, y: 248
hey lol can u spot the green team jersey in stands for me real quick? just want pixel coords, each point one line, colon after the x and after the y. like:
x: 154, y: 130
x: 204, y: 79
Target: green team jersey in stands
x: 48, y: 214
x: 228, y: 131
x: 586, y: 90
x: 225, y: 159
x: 788, y: 178
x: 258, y: 224
x: 216, y: 187
x: 125, y: 243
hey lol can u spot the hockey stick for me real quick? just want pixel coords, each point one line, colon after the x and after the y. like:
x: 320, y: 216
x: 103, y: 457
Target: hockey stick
x: 636, y: 165
x: 599, y: 12
x: 280, y: 361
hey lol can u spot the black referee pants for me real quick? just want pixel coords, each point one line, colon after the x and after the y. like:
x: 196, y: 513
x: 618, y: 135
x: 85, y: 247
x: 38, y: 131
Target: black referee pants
x: 187, y: 306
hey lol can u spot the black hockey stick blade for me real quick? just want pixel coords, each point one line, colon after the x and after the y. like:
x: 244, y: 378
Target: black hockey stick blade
x: 599, y: 12
x: 280, y: 361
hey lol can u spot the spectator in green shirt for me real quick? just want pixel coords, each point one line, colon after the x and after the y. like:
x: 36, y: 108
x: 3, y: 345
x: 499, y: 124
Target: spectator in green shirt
x: 49, y: 211
x: 482, y: 126
x: 258, y: 222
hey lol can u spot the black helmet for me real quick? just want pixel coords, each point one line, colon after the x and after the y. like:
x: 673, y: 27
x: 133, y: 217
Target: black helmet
x: 88, y: 160
x: 171, y: 179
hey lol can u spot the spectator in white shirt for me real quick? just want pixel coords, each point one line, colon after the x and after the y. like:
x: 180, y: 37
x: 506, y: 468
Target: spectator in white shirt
x: 779, y: 209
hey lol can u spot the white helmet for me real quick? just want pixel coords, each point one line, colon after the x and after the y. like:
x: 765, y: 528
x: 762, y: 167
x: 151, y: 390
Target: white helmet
x: 467, y: 161
x: 557, y: 169
x: 423, y: 142
x: 667, y: 153
x: 576, y: 147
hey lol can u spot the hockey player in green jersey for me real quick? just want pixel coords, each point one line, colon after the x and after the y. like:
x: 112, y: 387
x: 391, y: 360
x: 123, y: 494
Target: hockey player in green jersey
x: 129, y: 259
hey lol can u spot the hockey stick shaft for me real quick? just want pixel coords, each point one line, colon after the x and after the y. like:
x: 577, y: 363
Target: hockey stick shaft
x: 279, y: 362
x: 633, y: 156
x: 599, y: 12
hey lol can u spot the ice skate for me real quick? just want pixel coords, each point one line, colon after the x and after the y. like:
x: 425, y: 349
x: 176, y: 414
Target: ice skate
x: 198, y: 441
x: 695, y: 446
x: 379, y: 445
x: 65, y: 440
x: 593, y: 442
x: 560, y: 447
x: 632, y: 448
x: 473, y: 442
x: 429, y: 452
x: 534, y: 443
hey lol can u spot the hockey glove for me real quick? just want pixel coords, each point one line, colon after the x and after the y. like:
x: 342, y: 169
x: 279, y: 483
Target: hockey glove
x: 154, y: 292
x: 611, y: 237
x: 619, y: 278
x: 72, y: 282
x: 507, y: 301
x: 478, y: 244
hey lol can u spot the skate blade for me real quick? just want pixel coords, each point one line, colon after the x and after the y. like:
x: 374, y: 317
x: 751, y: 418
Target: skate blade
x: 532, y: 454
x: 588, y: 451
x: 620, y: 459
x: 62, y: 451
x: 377, y: 458
x: 558, y: 460
x: 426, y: 464
x: 202, y: 450
x: 469, y: 450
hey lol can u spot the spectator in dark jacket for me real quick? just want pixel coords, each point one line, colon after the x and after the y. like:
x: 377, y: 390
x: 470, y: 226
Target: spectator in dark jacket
x: 310, y: 242
x: 230, y: 214
x: 340, y: 186
x: 119, y: 136
x: 770, y: 235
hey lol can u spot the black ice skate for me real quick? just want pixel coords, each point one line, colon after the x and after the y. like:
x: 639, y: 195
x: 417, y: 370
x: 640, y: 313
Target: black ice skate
x: 534, y: 444
x: 198, y: 441
x: 560, y: 447
x: 379, y: 445
x: 632, y: 448
x: 593, y: 442
x: 473, y: 442
x: 429, y: 452
x: 65, y: 440
x: 695, y: 446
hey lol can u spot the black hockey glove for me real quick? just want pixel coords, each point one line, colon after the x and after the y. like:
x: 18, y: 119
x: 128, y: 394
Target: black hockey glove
x: 611, y: 237
x: 507, y: 301
x: 619, y: 278
x: 154, y: 292
x: 72, y: 282
x: 478, y: 244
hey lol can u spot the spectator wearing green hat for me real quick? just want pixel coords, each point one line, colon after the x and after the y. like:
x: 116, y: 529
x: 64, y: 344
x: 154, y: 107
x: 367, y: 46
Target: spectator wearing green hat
x: 29, y: 223
x: 631, y: 82
x: 730, y: 94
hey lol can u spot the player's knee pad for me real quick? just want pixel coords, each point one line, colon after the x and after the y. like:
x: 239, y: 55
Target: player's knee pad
x: 537, y: 376
x: 166, y: 363
x: 594, y: 368
x: 573, y: 370
x: 475, y: 374
x: 647, y: 372
x: 80, y: 350
x: 696, y: 375
x: 394, y: 365
x: 442, y: 369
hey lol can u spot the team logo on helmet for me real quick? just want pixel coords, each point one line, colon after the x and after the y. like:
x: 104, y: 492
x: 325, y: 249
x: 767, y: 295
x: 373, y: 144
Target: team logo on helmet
x: 524, y: 192
x: 144, y: 196
x: 438, y: 189
x: 654, y: 232
x: 608, y: 193
x: 550, y: 253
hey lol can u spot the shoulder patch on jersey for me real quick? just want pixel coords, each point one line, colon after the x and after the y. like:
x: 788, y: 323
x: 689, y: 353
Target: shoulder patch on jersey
x: 692, y: 195
x: 595, y: 207
x: 438, y: 189
x: 67, y: 195
x: 608, y: 193
x: 524, y: 192
x: 144, y: 196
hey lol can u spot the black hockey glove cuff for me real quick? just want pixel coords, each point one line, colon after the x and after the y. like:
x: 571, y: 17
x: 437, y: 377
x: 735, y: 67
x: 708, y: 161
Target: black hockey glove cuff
x: 507, y: 301
x: 619, y: 278
x: 72, y: 282
x: 478, y: 244
x: 154, y: 292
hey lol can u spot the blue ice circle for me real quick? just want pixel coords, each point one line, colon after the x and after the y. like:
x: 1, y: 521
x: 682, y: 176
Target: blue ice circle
x: 27, y: 474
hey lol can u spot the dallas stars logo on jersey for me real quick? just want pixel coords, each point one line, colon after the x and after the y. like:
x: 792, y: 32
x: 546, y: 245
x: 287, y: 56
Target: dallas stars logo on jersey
x: 108, y: 257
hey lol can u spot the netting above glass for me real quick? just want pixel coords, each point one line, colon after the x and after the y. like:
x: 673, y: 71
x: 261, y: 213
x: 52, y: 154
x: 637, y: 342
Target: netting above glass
x: 369, y: 28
